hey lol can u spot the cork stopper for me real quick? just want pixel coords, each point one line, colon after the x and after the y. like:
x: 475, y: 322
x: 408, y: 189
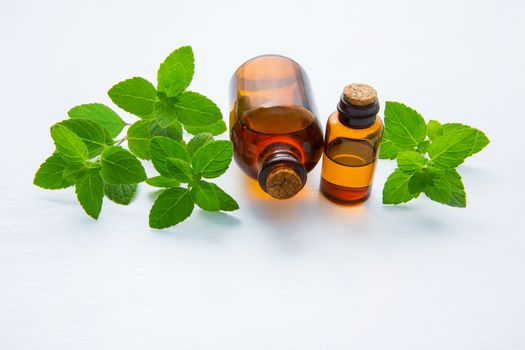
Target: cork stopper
x: 283, y: 183
x: 358, y: 94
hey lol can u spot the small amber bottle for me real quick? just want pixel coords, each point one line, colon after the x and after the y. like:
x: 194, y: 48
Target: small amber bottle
x: 277, y: 138
x: 351, y: 145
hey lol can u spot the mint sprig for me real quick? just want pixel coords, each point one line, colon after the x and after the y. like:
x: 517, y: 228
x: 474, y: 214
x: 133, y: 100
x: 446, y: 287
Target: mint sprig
x: 90, y: 157
x: 173, y: 161
x: 427, y: 155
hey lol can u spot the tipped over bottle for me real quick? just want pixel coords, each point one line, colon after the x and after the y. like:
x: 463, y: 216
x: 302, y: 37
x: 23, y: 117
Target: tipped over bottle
x: 276, y: 136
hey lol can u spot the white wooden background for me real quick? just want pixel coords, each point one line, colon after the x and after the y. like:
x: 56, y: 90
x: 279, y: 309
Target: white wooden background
x: 300, y: 274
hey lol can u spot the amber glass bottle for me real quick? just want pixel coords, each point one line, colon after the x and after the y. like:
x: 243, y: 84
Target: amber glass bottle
x: 276, y: 136
x: 351, y: 146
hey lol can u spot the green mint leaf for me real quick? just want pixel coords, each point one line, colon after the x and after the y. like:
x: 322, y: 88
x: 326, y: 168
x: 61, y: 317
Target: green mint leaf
x: 212, y: 159
x: 162, y: 182
x: 480, y: 140
x: 387, y: 150
x: 396, y: 189
x: 162, y: 148
x: 176, y: 72
x: 216, y: 128
x: 226, y: 202
x: 410, y: 161
x: 90, y: 192
x: 423, y: 146
x: 434, y: 129
x: 49, y: 174
x: 119, y: 166
x: 68, y: 144
x: 121, y: 193
x: 447, y: 188
x: 173, y: 131
x: 458, y: 197
x: 138, y: 137
x: 136, y: 96
x: 171, y: 207
x: 205, y: 196
x: 451, y: 149
x: 90, y: 132
x: 74, y: 171
x: 164, y: 112
x: 101, y: 114
x: 194, y: 109
x: 179, y: 170
x: 93, y: 167
x: 198, y: 141
x: 439, y: 190
x: 420, y: 180
x: 405, y: 127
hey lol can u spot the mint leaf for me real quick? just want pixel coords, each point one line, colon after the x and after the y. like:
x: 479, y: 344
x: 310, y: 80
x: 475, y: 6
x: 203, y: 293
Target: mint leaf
x: 49, y: 174
x: 136, y: 96
x: 176, y: 72
x: 119, y: 166
x: 226, y: 202
x: 396, y: 189
x: 480, y: 140
x: 212, y: 159
x: 198, y: 141
x: 194, y: 109
x: 171, y: 207
x: 423, y: 146
x: 68, y: 144
x: 101, y: 114
x: 162, y: 148
x: 90, y: 132
x: 387, y: 150
x: 458, y: 197
x: 161, y: 181
x: 74, y: 171
x: 180, y: 170
x: 447, y: 188
x: 120, y: 194
x: 90, y: 192
x: 420, y: 180
x: 205, y: 196
x: 138, y: 137
x: 451, y: 149
x: 405, y: 127
x: 92, y: 167
x: 173, y: 131
x: 434, y: 129
x: 216, y: 128
x: 440, y: 190
x: 164, y: 112
x: 410, y: 161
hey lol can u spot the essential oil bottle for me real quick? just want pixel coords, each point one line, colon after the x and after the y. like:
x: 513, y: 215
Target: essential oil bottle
x: 351, y: 145
x: 276, y: 135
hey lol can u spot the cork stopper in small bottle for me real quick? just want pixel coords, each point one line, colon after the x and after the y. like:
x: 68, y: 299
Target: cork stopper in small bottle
x: 283, y: 182
x: 359, y: 94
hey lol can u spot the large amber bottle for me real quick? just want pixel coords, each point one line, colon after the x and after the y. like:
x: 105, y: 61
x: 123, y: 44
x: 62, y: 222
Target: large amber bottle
x: 276, y: 135
x: 351, y: 146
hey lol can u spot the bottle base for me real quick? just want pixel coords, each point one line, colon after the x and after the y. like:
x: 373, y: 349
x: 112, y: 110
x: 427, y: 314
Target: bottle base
x: 344, y: 195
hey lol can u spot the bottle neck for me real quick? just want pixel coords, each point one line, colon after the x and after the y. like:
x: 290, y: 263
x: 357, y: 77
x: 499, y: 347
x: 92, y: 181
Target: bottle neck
x: 357, y: 117
x: 281, y: 175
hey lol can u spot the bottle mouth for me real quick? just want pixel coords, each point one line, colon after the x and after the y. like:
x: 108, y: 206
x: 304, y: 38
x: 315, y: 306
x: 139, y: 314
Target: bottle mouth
x: 282, y: 176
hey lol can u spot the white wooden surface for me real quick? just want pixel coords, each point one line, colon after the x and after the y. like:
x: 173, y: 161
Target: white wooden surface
x: 301, y: 274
